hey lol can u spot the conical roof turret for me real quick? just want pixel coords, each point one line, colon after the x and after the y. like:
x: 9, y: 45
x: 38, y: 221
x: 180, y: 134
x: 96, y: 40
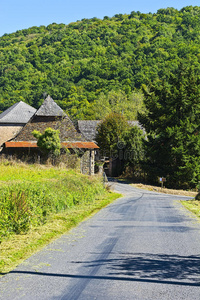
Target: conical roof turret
x: 50, y: 108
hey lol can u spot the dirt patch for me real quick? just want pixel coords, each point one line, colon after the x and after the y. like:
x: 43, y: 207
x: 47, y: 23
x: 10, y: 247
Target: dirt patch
x: 164, y: 190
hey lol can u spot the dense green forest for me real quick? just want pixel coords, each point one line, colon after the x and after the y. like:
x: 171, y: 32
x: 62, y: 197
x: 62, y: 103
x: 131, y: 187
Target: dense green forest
x: 172, y: 122
x: 93, y: 66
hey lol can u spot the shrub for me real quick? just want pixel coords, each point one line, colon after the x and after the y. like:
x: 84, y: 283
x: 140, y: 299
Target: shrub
x: 49, y: 141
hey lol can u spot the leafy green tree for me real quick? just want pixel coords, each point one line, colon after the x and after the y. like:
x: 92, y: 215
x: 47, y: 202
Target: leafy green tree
x: 49, y: 141
x: 132, y: 152
x: 172, y: 123
x: 110, y: 132
x: 133, y: 146
x: 118, y: 102
x: 101, y: 107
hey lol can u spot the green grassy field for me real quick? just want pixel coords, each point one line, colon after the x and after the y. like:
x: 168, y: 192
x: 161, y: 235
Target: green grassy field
x: 38, y: 204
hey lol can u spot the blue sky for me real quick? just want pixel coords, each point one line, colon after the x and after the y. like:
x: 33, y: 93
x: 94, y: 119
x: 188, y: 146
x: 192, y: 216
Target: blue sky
x: 22, y: 14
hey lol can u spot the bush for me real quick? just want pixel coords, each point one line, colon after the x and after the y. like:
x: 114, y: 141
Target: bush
x: 49, y: 141
x: 197, y: 197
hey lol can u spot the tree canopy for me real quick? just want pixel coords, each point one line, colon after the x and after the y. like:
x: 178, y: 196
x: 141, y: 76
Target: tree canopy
x: 122, y: 142
x: 85, y: 63
x: 172, y: 121
x: 110, y: 132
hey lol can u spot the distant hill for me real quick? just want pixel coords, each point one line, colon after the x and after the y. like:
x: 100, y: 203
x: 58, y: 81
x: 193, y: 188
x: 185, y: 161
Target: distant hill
x: 92, y: 66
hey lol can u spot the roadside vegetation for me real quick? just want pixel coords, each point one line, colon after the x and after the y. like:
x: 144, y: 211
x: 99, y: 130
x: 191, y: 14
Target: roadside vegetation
x: 193, y: 206
x: 159, y: 189
x: 39, y: 203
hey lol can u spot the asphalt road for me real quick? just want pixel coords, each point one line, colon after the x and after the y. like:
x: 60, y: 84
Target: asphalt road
x: 143, y: 246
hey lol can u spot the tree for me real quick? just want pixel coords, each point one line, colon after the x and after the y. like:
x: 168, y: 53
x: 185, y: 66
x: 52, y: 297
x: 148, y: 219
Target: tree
x: 109, y: 133
x: 172, y: 123
x: 49, y: 141
x: 118, y: 102
x: 133, y: 153
x: 122, y: 143
x: 133, y: 146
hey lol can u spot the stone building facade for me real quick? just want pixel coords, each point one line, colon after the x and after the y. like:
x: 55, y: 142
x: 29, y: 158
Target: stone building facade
x: 87, y: 162
x: 8, y: 131
x: 50, y: 115
x: 14, y: 119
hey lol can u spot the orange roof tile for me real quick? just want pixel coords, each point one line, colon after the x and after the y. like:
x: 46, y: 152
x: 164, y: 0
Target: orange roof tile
x: 20, y: 144
x: 78, y: 145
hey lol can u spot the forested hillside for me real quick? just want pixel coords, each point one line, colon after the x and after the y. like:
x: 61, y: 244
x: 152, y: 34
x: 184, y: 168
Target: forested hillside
x: 93, y: 66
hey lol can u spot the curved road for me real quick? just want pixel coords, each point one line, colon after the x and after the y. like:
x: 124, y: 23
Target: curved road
x: 143, y: 246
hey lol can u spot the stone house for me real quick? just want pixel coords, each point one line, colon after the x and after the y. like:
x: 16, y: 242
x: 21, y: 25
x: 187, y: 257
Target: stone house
x: 51, y: 115
x: 14, y: 119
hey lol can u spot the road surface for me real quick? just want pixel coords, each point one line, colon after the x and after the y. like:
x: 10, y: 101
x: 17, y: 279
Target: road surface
x: 143, y: 246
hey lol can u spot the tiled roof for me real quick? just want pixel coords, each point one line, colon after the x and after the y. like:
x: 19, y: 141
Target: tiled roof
x: 72, y: 145
x: 88, y: 128
x: 19, y: 113
x: 50, y: 108
x: 80, y: 145
x: 50, y: 115
x: 64, y: 125
x: 21, y: 144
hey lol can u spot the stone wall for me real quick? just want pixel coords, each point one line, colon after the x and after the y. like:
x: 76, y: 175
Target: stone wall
x: 87, y: 162
x: 8, y: 132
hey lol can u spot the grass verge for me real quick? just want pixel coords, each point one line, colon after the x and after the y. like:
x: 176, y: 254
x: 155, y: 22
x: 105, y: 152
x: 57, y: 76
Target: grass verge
x: 40, y: 203
x: 164, y: 190
x: 17, y: 248
x: 193, y: 206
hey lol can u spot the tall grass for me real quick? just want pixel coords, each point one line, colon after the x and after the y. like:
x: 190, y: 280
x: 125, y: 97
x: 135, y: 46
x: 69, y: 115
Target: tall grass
x: 33, y: 194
